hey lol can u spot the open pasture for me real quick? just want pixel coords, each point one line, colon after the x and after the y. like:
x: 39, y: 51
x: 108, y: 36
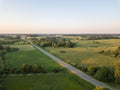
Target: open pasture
x: 29, y: 55
x: 49, y: 81
x: 86, y: 52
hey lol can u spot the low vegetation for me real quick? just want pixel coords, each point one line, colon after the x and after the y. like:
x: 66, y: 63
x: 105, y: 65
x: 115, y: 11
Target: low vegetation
x: 99, y: 88
x: 47, y: 81
x: 29, y: 65
x: 115, y: 53
x: 85, y: 57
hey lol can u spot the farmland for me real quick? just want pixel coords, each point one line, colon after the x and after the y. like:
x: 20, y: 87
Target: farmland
x: 28, y: 54
x: 43, y: 81
x: 86, y: 52
x: 51, y: 81
x: 82, y: 53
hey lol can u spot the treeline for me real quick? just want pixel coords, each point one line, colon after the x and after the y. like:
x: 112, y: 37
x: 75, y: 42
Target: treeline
x: 30, y: 69
x: 3, y: 62
x: 53, y: 42
x: 98, y: 37
x: 102, y: 73
x: 7, y: 42
x: 115, y: 53
x: 3, y: 52
x: 9, y: 39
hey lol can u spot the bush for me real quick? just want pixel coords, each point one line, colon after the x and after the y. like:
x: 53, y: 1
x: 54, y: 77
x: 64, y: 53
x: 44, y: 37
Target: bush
x: 105, y: 74
x: 36, y: 68
x: 100, y: 88
x: 92, y: 70
x: 62, y: 51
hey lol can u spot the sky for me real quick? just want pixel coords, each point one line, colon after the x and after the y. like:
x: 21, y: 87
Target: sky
x: 59, y: 16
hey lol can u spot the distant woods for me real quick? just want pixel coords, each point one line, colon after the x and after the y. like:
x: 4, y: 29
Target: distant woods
x: 9, y: 39
x: 54, y: 42
x: 100, y: 36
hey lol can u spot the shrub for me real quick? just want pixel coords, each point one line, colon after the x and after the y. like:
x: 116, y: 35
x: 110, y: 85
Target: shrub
x: 92, y: 70
x: 100, y: 88
x: 105, y: 74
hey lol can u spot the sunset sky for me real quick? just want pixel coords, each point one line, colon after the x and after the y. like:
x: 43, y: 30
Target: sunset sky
x: 60, y: 16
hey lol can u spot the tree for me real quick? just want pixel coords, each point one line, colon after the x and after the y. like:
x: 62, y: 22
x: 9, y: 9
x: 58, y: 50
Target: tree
x: 30, y: 68
x: 92, y: 70
x: 54, y: 45
x: 8, y: 48
x: 105, y: 74
x: 68, y: 44
x: 1, y: 47
x: 18, y: 37
x: 36, y: 68
x: 24, y: 68
x: 62, y: 43
x: 117, y: 73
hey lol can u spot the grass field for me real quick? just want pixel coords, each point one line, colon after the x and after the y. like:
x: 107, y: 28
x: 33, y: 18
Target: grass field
x: 49, y: 81
x: 86, y: 52
x: 52, y: 81
x: 29, y: 55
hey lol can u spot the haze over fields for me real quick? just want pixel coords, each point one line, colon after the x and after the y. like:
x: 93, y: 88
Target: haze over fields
x: 59, y: 16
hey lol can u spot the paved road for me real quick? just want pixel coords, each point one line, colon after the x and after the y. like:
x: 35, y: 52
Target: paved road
x: 74, y: 70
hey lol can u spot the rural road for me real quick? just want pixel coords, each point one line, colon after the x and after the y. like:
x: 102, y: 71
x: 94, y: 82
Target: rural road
x: 74, y: 70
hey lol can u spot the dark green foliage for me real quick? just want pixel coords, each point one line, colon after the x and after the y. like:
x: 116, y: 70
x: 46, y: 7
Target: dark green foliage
x: 53, y: 42
x: 56, y: 70
x: 92, y: 70
x: 2, y: 87
x: 62, y: 51
x: 36, y: 68
x: 1, y: 47
x: 13, y: 70
x: 82, y: 67
x: 117, y: 73
x: 26, y: 69
x: 117, y: 81
x: 105, y: 74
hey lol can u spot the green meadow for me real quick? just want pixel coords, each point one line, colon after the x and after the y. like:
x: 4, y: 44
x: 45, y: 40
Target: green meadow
x: 86, y: 52
x: 29, y: 55
x: 50, y: 81
x: 43, y: 81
